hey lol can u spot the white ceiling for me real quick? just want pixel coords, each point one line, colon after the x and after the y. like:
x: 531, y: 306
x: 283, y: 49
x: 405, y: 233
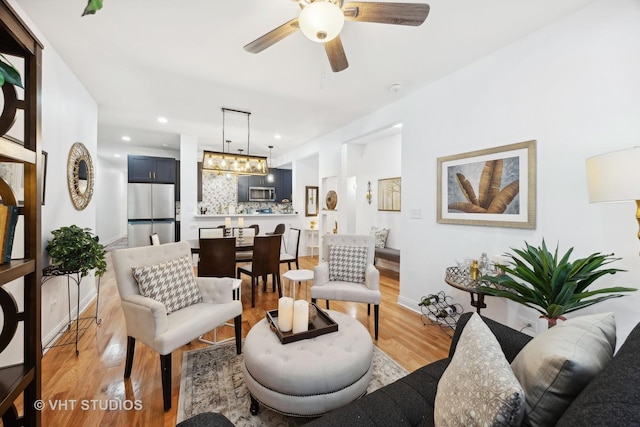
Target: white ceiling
x: 183, y: 60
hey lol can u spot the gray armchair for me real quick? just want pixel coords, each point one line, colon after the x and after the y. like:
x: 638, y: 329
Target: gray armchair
x: 147, y: 319
x: 366, y: 290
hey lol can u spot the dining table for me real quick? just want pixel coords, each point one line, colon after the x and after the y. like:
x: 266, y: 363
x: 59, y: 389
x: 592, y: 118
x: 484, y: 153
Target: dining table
x: 242, y: 244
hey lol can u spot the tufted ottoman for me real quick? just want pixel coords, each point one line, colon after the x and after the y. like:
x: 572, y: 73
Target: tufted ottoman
x: 308, y: 377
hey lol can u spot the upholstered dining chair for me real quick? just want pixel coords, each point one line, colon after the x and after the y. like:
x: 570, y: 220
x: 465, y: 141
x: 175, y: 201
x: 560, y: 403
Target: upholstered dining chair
x: 211, y: 233
x: 154, y: 239
x: 291, y: 247
x: 347, y: 273
x: 266, y: 260
x: 165, y: 306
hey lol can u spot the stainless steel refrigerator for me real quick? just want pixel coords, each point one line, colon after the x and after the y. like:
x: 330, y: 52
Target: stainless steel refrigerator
x: 150, y: 209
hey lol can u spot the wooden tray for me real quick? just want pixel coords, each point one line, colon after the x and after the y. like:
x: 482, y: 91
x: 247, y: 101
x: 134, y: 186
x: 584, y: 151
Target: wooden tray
x: 323, y: 324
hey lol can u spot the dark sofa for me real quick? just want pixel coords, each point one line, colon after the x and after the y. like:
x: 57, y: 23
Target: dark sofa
x: 612, y: 398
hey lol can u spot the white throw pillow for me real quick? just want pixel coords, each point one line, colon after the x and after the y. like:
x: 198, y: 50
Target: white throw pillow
x: 170, y: 282
x: 347, y: 263
x: 380, y: 235
x: 478, y: 387
x: 556, y: 365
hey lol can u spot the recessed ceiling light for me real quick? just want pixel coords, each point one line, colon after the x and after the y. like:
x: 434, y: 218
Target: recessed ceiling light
x: 165, y: 145
x: 162, y: 120
x: 399, y: 125
x: 116, y: 155
x: 126, y: 138
x: 277, y: 136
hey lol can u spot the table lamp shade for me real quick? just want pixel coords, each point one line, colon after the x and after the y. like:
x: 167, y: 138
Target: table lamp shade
x: 615, y: 176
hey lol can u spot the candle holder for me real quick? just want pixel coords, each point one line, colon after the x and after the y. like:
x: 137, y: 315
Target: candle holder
x: 240, y: 238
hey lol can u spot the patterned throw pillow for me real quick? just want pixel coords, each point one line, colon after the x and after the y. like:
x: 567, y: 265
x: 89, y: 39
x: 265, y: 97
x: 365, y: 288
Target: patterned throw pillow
x: 170, y: 282
x: 381, y: 235
x: 347, y: 263
x: 556, y: 365
x: 478, y: 387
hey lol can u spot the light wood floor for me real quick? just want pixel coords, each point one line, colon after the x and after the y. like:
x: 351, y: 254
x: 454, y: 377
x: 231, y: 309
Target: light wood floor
x: 95, y: 376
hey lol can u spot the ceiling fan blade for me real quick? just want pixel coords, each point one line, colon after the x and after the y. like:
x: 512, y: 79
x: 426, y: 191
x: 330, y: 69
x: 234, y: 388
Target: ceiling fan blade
x: 412, y: 14
x: 335, y: 52
x: 273, y: 36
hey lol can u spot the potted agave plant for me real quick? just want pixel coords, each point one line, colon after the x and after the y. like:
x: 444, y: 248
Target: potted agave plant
x: 77, y: 249
x: 551, y: 285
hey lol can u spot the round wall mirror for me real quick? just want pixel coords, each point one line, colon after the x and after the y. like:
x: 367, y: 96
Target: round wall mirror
x: 80, y: 175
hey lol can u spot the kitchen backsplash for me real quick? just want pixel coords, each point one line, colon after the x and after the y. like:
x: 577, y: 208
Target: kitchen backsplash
x: 220, y: 196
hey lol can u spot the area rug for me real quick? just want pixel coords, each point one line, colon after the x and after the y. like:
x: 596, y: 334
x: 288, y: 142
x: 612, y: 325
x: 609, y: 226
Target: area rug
x: 212, y: 381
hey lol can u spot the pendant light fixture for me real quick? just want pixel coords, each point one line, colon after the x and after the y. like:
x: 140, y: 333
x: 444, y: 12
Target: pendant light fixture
x: 270, y: 176
x: 227, y: 162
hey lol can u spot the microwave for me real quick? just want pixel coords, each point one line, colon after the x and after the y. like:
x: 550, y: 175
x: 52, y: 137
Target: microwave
x: 262, y: 194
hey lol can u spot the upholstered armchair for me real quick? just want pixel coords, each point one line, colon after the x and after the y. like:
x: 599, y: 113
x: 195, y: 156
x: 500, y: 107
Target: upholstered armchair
x: 190, y: 307
x: 346, y: 272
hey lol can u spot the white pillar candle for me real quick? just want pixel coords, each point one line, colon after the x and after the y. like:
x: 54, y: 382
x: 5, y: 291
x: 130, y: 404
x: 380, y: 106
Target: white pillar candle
x: 285, y: 314
x: 240, y: 222
x: 227, y: 222
x: 300, y: 316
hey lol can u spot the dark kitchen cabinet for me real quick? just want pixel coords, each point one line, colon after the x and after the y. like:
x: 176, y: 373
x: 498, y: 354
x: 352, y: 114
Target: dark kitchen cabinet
x: 152, y: 169
x: 281, y: 182
x: 284, y: 187
x: 243, y: 188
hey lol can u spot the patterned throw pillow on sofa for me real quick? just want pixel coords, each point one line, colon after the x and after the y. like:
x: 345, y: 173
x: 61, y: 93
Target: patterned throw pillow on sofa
x: 478, y: 388
x: 170, y: 282
x: 380, y: 235
x: 347, y: 263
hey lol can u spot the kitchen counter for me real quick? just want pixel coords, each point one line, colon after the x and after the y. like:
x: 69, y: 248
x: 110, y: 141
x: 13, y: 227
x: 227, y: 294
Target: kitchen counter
x: 254, y: 215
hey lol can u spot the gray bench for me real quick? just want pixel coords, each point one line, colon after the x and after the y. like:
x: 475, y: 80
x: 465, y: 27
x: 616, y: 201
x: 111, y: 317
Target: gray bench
x: 389, y: 254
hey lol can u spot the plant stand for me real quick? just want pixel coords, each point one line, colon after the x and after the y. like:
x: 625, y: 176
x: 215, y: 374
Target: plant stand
x: 70, y: 334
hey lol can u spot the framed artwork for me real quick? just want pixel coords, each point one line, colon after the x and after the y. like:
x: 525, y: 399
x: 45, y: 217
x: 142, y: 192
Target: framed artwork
x: 43, y: 183
x: 389, y: 194
x: 311, y: 201
x: 493, y: 187
x: 13, y: 174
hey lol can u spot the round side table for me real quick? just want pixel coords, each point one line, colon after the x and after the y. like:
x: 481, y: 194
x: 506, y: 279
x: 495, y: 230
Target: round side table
x: 299, y: 276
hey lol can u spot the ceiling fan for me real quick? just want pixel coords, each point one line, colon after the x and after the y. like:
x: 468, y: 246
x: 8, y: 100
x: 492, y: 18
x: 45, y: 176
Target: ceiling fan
x: 322, y: 20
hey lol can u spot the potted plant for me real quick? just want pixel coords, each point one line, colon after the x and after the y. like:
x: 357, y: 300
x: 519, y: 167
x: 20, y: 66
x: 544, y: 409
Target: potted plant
x: 552, y: 286
x: 77, y: 249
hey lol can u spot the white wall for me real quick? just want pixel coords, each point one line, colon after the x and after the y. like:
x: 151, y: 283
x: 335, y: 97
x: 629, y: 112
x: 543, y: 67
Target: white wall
x: 69, y: 115
x: 111, y: 191
x: 573, y: 87
x: 381, y: 158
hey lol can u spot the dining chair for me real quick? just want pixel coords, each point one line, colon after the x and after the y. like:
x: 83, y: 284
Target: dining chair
x: 211, y: 233
x: 266, y: 260
x: 348, y: 274
x: 280, y: 229
x: 291, y: 247
x: 218, y: 259
x: 154, y: 239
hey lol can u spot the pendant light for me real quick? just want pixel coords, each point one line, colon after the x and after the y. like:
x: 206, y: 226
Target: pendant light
x: 270, y: 176
x: 241, y: 164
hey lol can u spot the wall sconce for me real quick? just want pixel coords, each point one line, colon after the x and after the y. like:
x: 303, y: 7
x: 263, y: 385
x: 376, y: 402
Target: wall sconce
x: 615, y: 177
x: 368, y: 195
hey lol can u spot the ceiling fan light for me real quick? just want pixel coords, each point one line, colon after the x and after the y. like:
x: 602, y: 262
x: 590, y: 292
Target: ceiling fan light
x: 321, y: 21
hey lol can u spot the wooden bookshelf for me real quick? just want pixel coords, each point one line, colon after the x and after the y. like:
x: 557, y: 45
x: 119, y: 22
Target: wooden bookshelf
x: 21, y: 382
